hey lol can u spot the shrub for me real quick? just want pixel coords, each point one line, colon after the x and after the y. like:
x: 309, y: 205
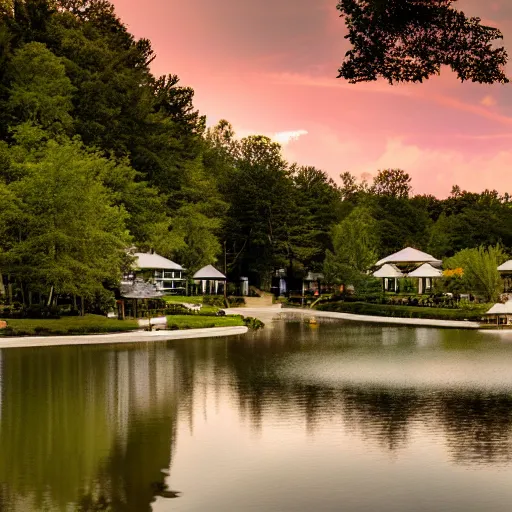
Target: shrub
x: 214, y: 300
x: 387, y: 310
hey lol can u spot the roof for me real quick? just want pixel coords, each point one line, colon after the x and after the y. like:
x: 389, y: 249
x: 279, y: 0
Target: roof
x: 388, y: 270
x: 408, y: 255
x: 425, y: 270
x: 507, y: 266
x: 209, y: 272
x: 155, y: 261
x: 501, y: 309
x: 140, y: 289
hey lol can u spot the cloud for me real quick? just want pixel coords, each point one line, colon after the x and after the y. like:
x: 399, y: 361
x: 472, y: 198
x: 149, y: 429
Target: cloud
x: 285, y: 138
x: 434, y: 171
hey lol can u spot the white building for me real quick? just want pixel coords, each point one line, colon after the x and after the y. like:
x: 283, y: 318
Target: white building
x: 167, y: 275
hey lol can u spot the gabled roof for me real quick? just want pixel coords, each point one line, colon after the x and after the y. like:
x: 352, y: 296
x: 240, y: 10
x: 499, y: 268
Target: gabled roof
x: 140, y: 290
x: 154, y: 261
x: 501, y: 309
x: 388, y: 270
x: 408, y: 255
x: 425, y: 270
x: 507, y: 266
x: 209, y: 272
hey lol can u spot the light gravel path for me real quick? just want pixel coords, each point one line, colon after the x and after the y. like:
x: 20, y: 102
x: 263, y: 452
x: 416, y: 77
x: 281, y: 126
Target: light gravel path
x: 267, y: 315
x: 125, y: 337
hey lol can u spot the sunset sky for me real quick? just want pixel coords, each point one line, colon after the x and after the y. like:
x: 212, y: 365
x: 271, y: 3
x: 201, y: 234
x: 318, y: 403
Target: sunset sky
x: 270, y: 68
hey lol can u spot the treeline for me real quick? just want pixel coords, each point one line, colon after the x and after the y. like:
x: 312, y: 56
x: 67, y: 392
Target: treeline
x: 98, y: 155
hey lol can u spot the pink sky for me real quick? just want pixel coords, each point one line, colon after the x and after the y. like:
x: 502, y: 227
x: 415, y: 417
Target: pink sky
x: 270, y: 67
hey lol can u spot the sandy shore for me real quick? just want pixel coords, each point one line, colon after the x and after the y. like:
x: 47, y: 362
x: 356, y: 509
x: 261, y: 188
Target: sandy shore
x: 125, y: 337
x: 267, y: 315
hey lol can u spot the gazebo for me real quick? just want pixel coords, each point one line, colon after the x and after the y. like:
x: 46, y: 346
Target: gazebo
x: 139, y: 290
x: 389, y: 273
x: 500, y: 314
x: 425, y: 274
x: 209, y: 277
x: 505, y: 271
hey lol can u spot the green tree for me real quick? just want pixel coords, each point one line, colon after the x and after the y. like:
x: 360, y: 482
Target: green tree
x: 40, y: 91
x: 261, y: 205
x: 480, y: 266
x: 409, y: 41
x: 317, y: 209
x: 70, y: 237
x: 355, y: 244
x: 393, y: 183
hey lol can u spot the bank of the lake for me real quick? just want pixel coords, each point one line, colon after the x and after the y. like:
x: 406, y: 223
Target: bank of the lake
x: 121, y: 337
x: 97, y: 324
x: 276, y: 313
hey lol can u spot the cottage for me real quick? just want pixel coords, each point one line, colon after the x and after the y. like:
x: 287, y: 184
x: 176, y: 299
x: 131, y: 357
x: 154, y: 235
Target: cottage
x: 166, y: 275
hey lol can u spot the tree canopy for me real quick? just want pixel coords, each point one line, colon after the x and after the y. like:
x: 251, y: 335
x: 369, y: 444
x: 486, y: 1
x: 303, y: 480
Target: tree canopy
x: 410, y: 40
x: 98, y: 155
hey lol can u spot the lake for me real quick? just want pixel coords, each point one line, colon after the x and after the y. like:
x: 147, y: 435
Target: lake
x: 337, y: 416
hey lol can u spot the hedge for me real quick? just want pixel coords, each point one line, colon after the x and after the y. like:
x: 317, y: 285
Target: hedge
x: 362, y: 308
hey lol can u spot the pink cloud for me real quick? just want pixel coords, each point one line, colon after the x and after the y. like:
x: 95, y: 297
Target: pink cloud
x: 272, y: 68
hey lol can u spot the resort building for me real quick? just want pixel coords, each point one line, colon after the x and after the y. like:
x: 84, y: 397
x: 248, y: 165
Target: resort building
x: 166, y: 275
x: 410, y: 263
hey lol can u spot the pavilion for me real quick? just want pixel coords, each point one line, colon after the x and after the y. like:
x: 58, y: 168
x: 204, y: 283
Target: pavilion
x: 389, y: 273
x: 425, y: 274
x: 138, y: 290
x: 209, y: 277
x: 408, y: 262
x: 500, y: 314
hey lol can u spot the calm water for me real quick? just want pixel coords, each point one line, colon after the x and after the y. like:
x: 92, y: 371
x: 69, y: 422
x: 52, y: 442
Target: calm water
x: 294, y: 418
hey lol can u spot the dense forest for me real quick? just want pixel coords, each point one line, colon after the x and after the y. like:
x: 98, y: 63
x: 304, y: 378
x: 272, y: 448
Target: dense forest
x: 98, y: 155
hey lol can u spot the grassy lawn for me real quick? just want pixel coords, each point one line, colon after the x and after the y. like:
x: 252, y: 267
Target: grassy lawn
x: 177, y: 299
x: 95, y: 324
x: 89, y: 324
x: 199, y: 321
x: 387, y: 310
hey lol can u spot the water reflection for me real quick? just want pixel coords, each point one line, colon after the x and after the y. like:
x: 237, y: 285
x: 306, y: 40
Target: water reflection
x: 86, y: 426
x: 92, y: 428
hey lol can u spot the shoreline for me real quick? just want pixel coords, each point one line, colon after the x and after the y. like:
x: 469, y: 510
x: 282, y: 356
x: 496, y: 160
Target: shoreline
x: 276, y: 313
x: 123, y: 337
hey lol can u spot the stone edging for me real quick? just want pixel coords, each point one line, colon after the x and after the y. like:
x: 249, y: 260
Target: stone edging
x: 125, y: 337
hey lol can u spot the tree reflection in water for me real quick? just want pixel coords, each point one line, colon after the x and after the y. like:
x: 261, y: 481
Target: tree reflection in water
x: 95, y: 426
